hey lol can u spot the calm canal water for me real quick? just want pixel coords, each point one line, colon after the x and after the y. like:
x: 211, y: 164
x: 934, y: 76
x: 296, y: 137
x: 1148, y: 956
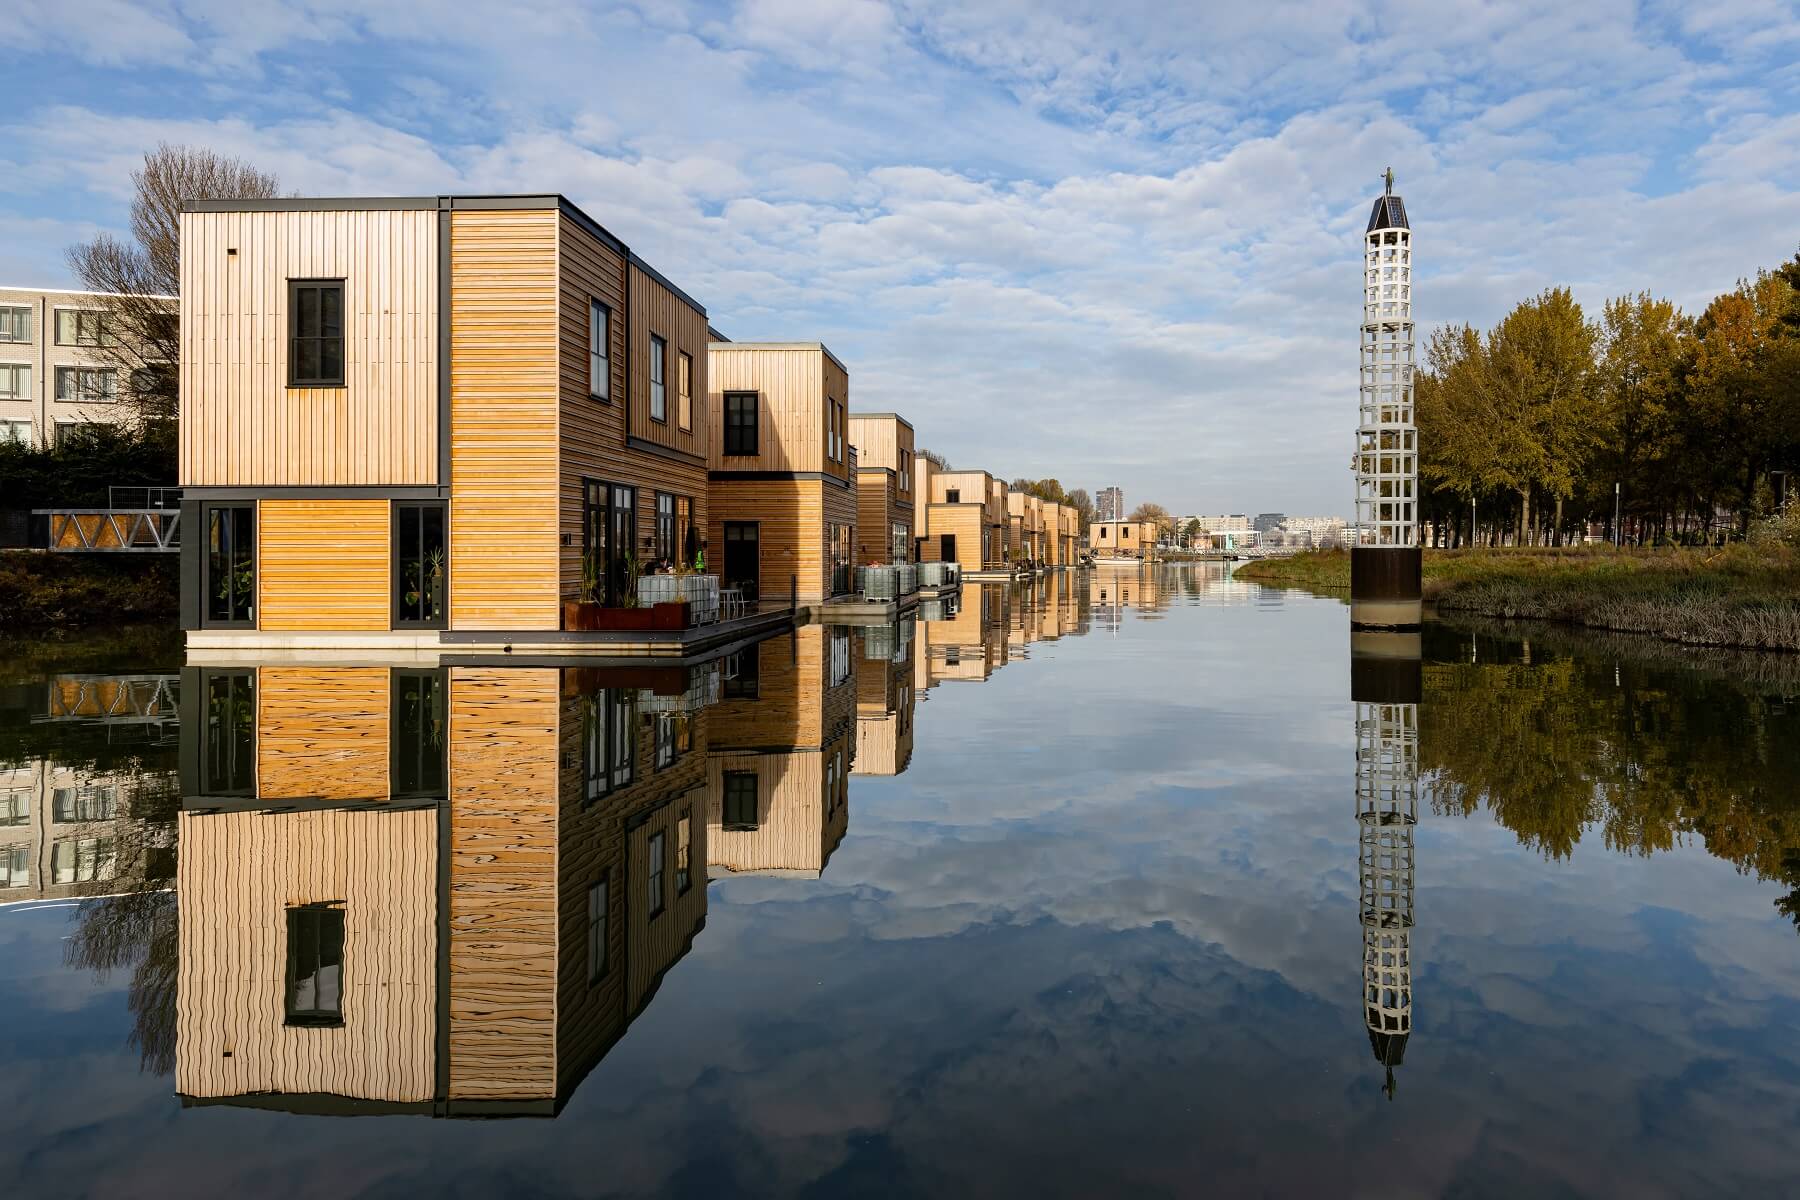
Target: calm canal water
x: 1102, y: 887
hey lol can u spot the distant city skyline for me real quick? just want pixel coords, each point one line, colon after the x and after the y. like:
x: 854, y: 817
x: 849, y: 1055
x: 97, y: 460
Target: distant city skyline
x: 1073, y: 239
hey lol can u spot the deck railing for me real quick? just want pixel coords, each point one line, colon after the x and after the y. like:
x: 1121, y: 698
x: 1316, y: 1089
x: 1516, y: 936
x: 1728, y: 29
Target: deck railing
x: 700, y: 591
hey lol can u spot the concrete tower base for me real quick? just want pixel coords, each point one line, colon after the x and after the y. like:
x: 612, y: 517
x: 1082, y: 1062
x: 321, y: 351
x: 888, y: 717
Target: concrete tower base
x: 1385, y: 587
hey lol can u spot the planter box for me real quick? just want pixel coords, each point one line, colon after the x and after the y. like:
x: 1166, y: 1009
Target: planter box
x: 658, y: 618
x: 701, y: 592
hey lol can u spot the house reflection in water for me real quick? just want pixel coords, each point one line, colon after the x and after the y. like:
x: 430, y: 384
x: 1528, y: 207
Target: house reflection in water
x: 442, y: 891
x: 779, y: 757
x: 884, y: 698
x: 1386, y: 685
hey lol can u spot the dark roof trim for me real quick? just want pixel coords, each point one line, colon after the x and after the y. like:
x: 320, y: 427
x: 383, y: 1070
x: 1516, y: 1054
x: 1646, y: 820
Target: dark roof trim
x: 494, y: 203
x: 878, y: 415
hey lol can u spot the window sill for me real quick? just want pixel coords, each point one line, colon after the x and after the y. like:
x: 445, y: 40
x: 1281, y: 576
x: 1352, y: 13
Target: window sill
x: 599, y: 399
x: 296, y: 385
x: 314, y: 1023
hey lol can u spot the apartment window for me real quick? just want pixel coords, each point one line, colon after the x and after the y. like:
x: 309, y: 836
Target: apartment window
x: 609, y: 749
x: 80, y: 327
x: 16, y: 431
x: 315, y: 970
x: 315, y: 333
x: 953, y: 496
x: 418, y: 722
x: 82, y: 860
x: 70, y: 433
x: 666, y: 548
x: 15, y: 381
x: 684, y: 529
x: 684, y: 391
x: 421, y: 568
x: 230, y: 565
x: 684, y: 852
x: 743, y: 675
x: 599, y: 351
x: 15, y: 323
x: 658, y: 843
x: 740, y: 422
x: 659, y: 397
x: 90, y: 802
x: 90, y: 385
x: 15, y: 866
x: 596, y: 928
x: 15, y: 809
x: 740, y: 801
x: 906, y: 470
x: 228, y: 733
x: 834, y: 430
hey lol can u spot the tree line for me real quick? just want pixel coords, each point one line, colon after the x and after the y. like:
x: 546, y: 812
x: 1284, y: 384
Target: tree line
x: 1524, y: 430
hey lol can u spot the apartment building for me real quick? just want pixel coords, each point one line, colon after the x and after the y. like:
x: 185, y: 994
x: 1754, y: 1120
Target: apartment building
x: 54, y: 379
x: 965, y: 521
x: 884, y: 481
x: 783, y: 470
x: 1062, y: 533
x: 420, y: 420
x: 437, y: 891
x: 1109, y: 504
x: 783, y: 740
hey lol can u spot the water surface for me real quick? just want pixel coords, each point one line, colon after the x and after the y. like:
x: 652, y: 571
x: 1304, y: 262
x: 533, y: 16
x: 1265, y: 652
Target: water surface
x: 1059, y: 891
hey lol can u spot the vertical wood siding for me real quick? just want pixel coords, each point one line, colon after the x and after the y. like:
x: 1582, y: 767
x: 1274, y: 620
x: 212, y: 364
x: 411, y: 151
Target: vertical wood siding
x: 240, y: 422
x: 238, y: 874
x: 322, y: 732
x: 503, y: 882
x: 504, y: 420
x: 790, y: 410
x: 323, y: 564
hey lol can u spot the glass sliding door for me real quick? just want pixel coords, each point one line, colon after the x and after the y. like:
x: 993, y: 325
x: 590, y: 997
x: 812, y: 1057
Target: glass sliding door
x: 609, y: 565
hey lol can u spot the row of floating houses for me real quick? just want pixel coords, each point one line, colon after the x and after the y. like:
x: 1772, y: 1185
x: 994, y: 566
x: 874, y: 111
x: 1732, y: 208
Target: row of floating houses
x: 479, y: 422
x: 450, y: 889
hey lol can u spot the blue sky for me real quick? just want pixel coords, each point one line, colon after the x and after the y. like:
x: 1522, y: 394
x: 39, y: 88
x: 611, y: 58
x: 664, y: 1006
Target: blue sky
x: 1107, y: 242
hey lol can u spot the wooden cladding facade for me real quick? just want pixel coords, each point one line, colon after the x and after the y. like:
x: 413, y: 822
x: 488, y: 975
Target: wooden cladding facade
x: 884, y: 479
x: 324, y: 564
x: 322, y: 733
x: 796, y: 385
x: 241, y: 424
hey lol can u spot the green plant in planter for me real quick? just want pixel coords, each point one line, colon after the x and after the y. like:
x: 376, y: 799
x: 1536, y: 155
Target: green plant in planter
x: 434, y: 580
x: 590, y: 577
x: 628, y: 597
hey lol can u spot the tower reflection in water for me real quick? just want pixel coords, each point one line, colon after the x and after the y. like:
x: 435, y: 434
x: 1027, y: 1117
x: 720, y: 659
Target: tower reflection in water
x: 1386, y: 683
x: 442, y: 891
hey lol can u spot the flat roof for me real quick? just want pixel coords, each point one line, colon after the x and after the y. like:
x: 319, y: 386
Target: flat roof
x: 477, y: 203
x: 821, y: 347
x: 882, y: 417
x: 55, y: 291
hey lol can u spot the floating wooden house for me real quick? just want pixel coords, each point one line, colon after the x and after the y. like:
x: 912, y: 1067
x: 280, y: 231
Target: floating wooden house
x: 1122, y: 539
x: 448, y: 419
x: 884, y: 698
x: 442, y: 892
x: 783, y: 471
x: 1025, y: 527
x: 965, y: 521
x: 884, y: 480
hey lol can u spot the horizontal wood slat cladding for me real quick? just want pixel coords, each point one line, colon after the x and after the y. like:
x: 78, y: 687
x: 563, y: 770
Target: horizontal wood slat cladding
x: 964, y: 523
x: 794, y: 515
x: 322, y: 732
x: 324, y: 564
x: 504, y: 458
x: 238, y: 874
x: 790, y: 410
x: 240, y: 422
x: 874, y: 512
x: 503, y: 873
x: 657, y: 310
x: 593, y: 434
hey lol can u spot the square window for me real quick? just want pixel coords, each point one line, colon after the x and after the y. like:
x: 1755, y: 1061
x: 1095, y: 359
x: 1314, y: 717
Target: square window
x: 15, y: 381
x: 15, y: 323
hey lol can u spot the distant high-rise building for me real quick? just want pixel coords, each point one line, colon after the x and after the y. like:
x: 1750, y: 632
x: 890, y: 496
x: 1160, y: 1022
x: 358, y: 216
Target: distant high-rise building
x: 1269, y: 522
x: 1109, y: 505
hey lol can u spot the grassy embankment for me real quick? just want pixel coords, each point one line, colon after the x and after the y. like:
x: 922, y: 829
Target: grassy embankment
x: 1740, y: 595
x: 68, y: 591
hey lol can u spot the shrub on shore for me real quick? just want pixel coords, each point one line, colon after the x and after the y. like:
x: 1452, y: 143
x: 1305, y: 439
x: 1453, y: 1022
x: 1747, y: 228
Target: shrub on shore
x: 46, y: 591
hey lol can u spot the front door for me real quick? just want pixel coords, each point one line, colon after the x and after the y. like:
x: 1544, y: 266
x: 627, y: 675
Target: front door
x: 947, y: 547
x: 742, y: 567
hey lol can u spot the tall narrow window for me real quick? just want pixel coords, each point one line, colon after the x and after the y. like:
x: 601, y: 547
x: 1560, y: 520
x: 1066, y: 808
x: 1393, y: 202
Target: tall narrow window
x: 230, y: 565
x: 659, y: 396
x: 608, y: 531
x: 228, y: 733
x: 740, y: 423
x: 739, y: 814
x: 421, y: 568
x: 684, y: 392
x: 599, y: 351
x: 418, y: 724
x: 906, y: 470
x: 596, y: 928
x: 666, y: 547
x: 609, y: 747
x: 686, y: 530
x: 15, y: 323
x: 315, y: 971
x: 315, y: 333
x: 658, y: 846
x: 684, y: 850
x: 668, y: 740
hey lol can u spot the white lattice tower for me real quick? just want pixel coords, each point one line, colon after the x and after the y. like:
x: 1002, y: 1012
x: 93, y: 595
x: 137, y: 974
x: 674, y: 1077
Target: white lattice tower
x: 1387, y: 454
x: 1387, y: 810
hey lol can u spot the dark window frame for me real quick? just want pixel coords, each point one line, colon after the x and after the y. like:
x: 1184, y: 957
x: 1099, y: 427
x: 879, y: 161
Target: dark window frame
x: 413, y: 759
x: 323, y: 339
x: 298, y: 916
x: 227, y: 734
x: 599, y: 952
x: 684, y: 391
x: 731, y: 797
x: 415, y: 511
x: 684, y: 852
x: 617, y: 522
x: 668, y: 537
x: 659, y: 379
x: 208, y: 511
x: 600, y: 333
x: 609, y: 744
x: 742, y: 435
x: 656, y: 856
